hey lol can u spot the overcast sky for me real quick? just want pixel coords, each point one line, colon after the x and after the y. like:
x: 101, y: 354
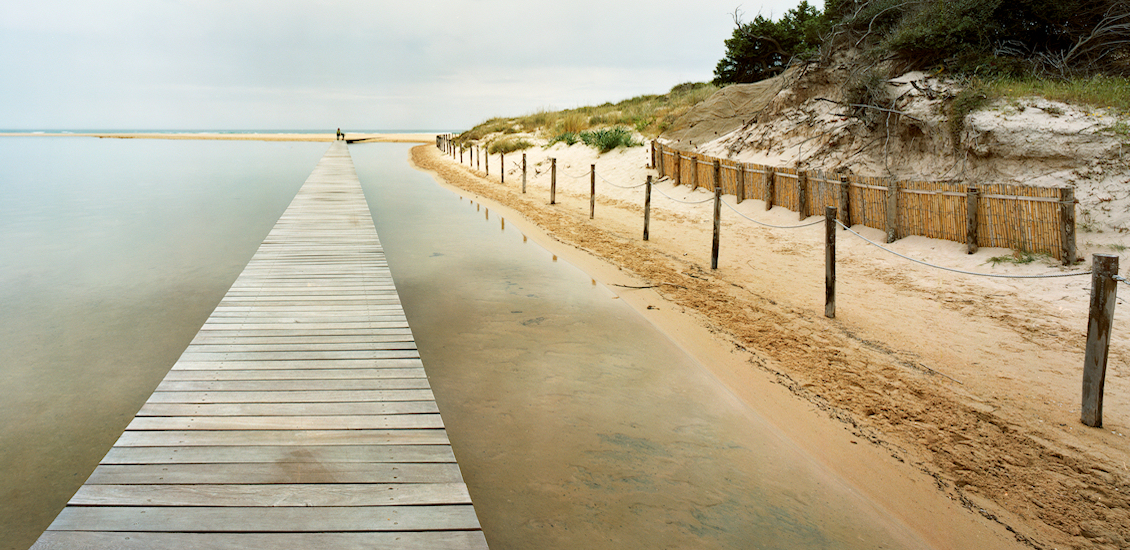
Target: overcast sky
x: 357, y: 64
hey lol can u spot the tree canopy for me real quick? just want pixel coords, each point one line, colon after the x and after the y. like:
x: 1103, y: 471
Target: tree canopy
x: 762, y: 48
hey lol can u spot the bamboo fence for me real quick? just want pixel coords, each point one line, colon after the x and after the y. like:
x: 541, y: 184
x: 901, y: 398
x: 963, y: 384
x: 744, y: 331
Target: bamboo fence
x: 1021, y: 217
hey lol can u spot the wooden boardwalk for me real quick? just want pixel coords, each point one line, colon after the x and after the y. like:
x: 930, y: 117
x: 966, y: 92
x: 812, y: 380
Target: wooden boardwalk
x: 300, y: 415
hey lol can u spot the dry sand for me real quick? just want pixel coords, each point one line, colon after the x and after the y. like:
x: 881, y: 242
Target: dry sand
x: 387, y: 138
x: 929, y: 387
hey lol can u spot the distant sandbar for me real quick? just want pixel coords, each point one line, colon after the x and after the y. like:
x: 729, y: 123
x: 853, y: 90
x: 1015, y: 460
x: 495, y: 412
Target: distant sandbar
x: 386, y: 138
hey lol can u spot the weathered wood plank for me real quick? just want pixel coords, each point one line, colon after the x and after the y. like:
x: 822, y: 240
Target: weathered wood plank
x: 263, y: 519
x: 287, y: 472
x: 281, y: 437
x: 282, y: 495
x: 279, y: 454
x: 370, y: 422
x: 293, y: 374
x: 327, y: 396
x: 300, y: 364
x: 287, y: 409
x: 132, y: 540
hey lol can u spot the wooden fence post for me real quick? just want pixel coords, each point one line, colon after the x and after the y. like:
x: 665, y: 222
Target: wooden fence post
x: 652, y: 154
x: 802, y: 194
x: 740, y: 191
x: 502, y: 167
x: 1104, y: 290
x: 717, y: 224
x: 662, y: 168
x: 479, y: 157
x: 830, y: 262
x: 647, y: 208
x: 1067, y: 224
x: 592, y: 190
x: 770, y: 183
x: 972, y: 196
x: 694, y: 172
x: 523, y: 173
x: 552, y: 181
x: 460, y: 154
x: 678, y: 167
x: 845, y: 201
x: 892, y: 210
x: 488, y: 162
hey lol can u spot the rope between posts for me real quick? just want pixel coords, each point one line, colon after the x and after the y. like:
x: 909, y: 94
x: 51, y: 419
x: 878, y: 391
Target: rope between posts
x: 1121, y: 279
x: 683, y: 202
x: 994, y: 275
x: 810, y: 224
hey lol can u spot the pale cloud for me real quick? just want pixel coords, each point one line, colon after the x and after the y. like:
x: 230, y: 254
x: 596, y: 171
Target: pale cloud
x: 350, y: 63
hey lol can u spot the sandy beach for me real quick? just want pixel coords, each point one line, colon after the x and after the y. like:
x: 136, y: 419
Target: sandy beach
x: 951, y: 400
x: 373, y: 138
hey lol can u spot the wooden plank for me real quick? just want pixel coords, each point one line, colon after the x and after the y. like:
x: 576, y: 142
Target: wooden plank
x: 279, y: 454
x: 293, y: 385
x: 293, y: 374
x: 281, y: 495
x: 349, y: 422
x: 264, y: 519
x: 288, y: 409
x: 132, y: 540
x: 281, y: 437
x: 300, y: 364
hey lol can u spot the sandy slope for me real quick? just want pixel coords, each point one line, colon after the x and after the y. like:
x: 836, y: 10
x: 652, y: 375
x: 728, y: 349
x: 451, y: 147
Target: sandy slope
x: 972, y: 382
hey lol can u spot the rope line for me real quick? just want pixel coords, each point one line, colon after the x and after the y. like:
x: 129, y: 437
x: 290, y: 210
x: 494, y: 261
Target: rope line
x: 810, y: 224
x: 994, y: 275
x: 683, y: 202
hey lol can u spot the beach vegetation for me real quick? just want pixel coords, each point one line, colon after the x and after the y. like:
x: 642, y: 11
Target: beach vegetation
x: 568, y: 138
x: 649, y: 115
x: 508, y: 145
x: 607, y: 139
x: 763, y: 48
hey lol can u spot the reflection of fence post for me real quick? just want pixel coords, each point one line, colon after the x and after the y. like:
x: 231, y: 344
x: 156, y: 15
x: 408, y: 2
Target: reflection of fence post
x: 592, y: 190
x: 1067, y: 224
x: 523, y: 173
x: 647, y: 208
x: 892, y: 210
x: 971, y: 203
x: 802, y: 194
x: 740, y: 191
x: 770, y: 183
x: 552, y: 181
x: 845, y: 201
x: 830, y: 262
x: 1104, y: 289
x: 717, y: 219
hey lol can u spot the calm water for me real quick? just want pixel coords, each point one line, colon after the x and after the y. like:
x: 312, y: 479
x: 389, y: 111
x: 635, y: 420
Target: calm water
x: 112, y: 254
x: 575, y: 423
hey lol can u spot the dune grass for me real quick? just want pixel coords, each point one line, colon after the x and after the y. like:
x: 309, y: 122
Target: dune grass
x: 649, y: 115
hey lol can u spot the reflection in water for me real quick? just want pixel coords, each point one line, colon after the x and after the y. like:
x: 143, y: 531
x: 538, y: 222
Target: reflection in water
x: 112, y: 254
x: 575, y: 423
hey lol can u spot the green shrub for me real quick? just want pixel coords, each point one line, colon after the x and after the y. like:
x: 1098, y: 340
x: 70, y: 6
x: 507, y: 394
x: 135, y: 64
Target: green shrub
x: 569, y: 138
x: 607, y: 139
x: 508, y: 145
x: 763, y: 48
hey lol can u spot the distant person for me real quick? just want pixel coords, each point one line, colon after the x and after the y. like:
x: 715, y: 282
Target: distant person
x: 339, y: 134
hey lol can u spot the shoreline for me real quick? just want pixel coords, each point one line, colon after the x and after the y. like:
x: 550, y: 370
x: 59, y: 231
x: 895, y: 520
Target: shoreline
x: 421, y: 137
x: 967, y: 385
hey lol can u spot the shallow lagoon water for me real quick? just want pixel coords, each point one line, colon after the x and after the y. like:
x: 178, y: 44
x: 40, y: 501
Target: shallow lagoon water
x: 576, y: 423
